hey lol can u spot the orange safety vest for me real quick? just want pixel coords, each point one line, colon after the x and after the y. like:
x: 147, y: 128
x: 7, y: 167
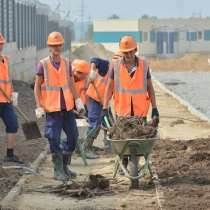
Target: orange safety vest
x: 80, y: 85
x: 5, y: 82
x: 55, y: 81
x: 100, y: 84
x: 129, y: 89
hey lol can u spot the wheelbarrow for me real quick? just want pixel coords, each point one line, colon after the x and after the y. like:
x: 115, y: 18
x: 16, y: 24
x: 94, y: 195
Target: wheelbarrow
x: 133, y: 149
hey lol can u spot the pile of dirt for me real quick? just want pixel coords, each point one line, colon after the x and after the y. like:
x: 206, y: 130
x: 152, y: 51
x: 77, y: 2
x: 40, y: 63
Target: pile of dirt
x: 131, y: 128
x: 91, y: 50
x: 183, y: 168
x: 188, y: 62
x: 28, y: 151
x: 93, y: 185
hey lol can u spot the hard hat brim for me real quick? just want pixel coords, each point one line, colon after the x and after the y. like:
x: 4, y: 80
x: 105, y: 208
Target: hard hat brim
x: 128, y: 50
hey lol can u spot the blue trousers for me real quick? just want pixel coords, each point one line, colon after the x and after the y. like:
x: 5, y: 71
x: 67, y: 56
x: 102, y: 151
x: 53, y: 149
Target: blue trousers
x: 94, y: 115
x: 55, y: 123
x: 9, y: 117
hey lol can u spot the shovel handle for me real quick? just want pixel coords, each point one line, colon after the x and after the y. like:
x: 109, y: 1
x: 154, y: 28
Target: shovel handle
x: 17, y: 108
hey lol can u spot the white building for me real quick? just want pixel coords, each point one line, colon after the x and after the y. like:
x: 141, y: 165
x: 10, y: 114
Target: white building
x: 161, y: 37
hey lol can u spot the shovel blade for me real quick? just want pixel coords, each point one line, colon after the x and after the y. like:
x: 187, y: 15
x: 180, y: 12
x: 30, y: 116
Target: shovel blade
x: 31, y: 130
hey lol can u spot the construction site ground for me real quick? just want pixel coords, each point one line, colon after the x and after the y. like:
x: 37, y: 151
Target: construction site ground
x: 180, y: 161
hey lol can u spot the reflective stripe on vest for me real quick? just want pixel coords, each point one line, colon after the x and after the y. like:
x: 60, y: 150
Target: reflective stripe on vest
x: 131, y: 90
x: 121, y: 89
x: 46, y: 76
x: 56, y: 81
x: 100, y: 84
x: 5, y: 81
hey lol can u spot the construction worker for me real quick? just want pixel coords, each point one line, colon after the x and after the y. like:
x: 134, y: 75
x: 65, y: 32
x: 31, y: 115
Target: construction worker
x: 7, y: 113
x: 55, y: 94
x: 130, y: 82
x: 81, y: 69
x: 96, y: 87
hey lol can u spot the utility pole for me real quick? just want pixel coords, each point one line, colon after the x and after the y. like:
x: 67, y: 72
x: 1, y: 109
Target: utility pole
x: 82, y: 8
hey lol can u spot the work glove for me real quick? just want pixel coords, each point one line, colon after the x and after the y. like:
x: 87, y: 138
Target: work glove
x: 39, y: 111
x: 15, y: 98
x: 80, y: 106
x: 155, y: 117
x: 92, y: 76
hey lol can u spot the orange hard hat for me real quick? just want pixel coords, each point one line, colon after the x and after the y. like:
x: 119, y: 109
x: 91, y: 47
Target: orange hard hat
x: 55, y: 38
x: 117, y: 55
x: 127, y: 43
x: 2, y: 40
x: 81, y: 66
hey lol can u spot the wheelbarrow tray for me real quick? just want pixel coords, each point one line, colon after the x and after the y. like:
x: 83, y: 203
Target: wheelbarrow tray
x: 138, y: 146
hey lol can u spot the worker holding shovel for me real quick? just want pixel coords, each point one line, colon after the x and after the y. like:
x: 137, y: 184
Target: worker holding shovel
x: 7, y: 113
x: 55, y: 95
x: 130, y: 82
x: 97, y: 81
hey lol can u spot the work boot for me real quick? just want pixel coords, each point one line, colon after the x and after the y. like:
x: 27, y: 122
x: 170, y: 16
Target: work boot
x: 59, y: 174
x: 89, y: 153
x: 67, y: 161
x: 13, y: 159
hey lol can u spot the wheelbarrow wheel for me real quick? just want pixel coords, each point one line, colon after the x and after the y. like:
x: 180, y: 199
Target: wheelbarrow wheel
x: 134, y: 161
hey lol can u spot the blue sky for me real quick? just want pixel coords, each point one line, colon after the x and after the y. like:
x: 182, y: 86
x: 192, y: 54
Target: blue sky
x: 131, y: 9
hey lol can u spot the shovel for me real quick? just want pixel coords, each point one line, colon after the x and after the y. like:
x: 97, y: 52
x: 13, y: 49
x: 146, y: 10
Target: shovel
x: 30, y: 129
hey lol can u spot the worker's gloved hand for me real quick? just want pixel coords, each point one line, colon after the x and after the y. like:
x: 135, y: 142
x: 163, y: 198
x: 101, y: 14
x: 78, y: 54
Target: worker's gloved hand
x: 92, y: 75
x: 15, y: 98
x: 104, y: 112
x: 80, y: 106
x: 105, y: 118
x: 155, y: 117
x: 39, y: 111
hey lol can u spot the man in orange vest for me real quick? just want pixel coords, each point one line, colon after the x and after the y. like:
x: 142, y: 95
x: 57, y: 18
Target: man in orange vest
x: 7, y: 113
x: 131, y: 84
x: 97, y: 81
x: 55, y: 94
x: 81, y: 69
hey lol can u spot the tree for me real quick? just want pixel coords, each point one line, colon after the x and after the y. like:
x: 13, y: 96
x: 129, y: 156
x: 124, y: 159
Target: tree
x: 145, y: 16
x: 113, y: 17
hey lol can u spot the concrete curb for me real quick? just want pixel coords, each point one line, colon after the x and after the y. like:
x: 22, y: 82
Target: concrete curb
x: 16, y: 190
x: 189, y: 107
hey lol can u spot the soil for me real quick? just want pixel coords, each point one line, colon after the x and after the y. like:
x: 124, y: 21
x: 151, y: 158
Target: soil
x: 27, y: 150
x: 188, y: 62
x: 91, y: 50
x: 184, y: 172
x: 131, y: 128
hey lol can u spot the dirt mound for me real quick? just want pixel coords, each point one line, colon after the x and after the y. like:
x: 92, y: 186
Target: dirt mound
x: 132, y: 127
x: 91, y: 50
x: 188, y: 62
x: 183, y: 169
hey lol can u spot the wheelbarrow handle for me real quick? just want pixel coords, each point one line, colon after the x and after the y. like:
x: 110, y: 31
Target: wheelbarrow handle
x: 17, y: 108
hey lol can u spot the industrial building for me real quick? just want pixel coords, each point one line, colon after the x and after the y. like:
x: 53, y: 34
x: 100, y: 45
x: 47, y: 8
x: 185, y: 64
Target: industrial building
x: 28, y: 23
x: 157, y: 37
